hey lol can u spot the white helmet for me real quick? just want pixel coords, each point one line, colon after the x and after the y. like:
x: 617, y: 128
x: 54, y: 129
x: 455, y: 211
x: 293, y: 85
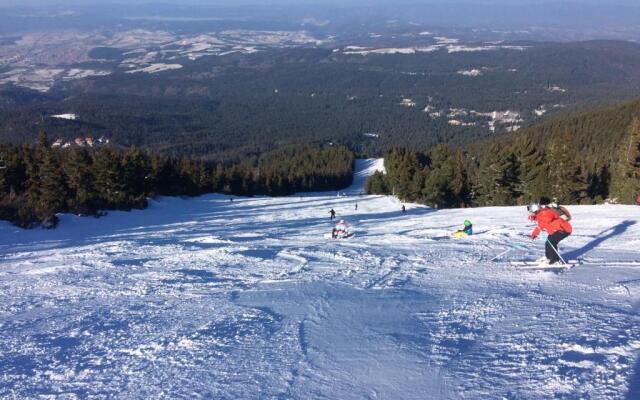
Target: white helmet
x: 341, y: 221
x: 533, y: 208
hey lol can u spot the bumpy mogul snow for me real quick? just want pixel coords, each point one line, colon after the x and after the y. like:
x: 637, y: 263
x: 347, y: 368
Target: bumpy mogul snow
x: 207, y: 298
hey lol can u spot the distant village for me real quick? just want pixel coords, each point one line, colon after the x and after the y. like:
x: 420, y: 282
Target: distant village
x: 88, y: 141
x: 80, y: 142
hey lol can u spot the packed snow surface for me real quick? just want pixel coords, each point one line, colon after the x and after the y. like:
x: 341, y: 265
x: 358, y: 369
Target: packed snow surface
x: 212, y: 298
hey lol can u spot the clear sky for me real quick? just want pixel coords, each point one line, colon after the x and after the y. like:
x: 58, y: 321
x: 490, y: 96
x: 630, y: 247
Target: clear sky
x: 320, y: 2
x: 582, y: 14
x: 539, y: 3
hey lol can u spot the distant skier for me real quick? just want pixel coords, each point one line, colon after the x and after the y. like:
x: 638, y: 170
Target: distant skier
x: 356, y: 206
x: 332, y: 213
x: 231, y: 199
x: 638, y: 200
x: 557, y: 228
x: 466, y: 231
x: 341, y: 230
x: 404, y: 209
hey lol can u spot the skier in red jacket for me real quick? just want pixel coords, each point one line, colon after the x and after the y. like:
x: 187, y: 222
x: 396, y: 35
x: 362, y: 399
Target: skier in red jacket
x: 556, y: 227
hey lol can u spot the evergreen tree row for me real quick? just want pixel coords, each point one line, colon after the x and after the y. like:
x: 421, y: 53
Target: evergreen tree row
x: 36, y: 182
x: 514, y: 171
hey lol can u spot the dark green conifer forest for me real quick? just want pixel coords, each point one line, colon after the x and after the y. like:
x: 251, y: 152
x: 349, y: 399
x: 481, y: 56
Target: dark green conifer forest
x: 583, y: 158
x: 36, y: 182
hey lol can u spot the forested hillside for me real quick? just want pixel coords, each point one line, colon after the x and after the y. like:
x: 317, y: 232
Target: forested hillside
x: 232, y: 106
x: 36, y: 182
x: 582, y: 158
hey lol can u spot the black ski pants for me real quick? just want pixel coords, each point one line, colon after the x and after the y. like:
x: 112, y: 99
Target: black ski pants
x: 551, y: 247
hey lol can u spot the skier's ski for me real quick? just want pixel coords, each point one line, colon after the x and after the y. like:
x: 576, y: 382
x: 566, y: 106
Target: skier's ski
x: 557, y: 268
x: 328, y: 236
x: 535, y: 265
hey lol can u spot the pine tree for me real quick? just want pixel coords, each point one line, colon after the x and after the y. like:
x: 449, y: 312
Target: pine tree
x: 134, y: 172
x: 33, y: 162
x: 46, y: 186
x: 438, y: 188
x: 598, y: 184
x: 626, y: 181
x: 498, y: 177
x: 109, y: 181
x: 460, y: 183
x: 4, y: 176
x: 532, y: 170
x: 188, y: 177
x: 377, y: 184
x: 405, y: 174
x: 566, y: 181
x: 203, y: 178
x: 218, y: 180
x: 81, y: 182
x: 16, y: 172
x: 52, y: 191
x: 165, y: 181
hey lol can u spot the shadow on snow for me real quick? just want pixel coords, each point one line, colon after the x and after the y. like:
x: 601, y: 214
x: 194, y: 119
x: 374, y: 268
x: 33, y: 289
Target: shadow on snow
x: 634, y: 388
x: 613, y: 232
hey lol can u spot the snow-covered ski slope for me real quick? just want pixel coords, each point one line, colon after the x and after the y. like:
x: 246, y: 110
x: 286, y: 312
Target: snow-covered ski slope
x: 207, y: 298
x: 364, y: 169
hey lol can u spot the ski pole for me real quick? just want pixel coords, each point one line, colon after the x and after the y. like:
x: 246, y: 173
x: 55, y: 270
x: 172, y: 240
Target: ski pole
x: 501, y: 254
x: 555, y: 251
x: 512, y: 246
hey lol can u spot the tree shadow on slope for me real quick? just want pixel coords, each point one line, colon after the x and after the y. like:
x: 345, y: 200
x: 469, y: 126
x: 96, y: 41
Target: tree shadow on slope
x: 634, y: 387
x: 386, y: 217
x: 174, y: 220
x: 612, y: 232
x: 395, y: 214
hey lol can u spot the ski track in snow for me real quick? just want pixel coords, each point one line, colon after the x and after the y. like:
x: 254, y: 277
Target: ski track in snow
x: 208, y: 298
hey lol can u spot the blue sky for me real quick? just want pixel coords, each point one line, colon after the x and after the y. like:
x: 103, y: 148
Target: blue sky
x: 331, y: 2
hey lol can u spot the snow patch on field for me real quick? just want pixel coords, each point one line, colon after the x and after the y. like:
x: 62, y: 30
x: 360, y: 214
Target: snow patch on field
x: 471, y: 72
x: 389, y: 50
x: 445, y: 40
x: 155, y: 68
x: 466, y: 49
x: 41, y: 79
x: 71, y: 117
x: 76, y: 73
x: 39, y: 60
x: 450, y: 45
